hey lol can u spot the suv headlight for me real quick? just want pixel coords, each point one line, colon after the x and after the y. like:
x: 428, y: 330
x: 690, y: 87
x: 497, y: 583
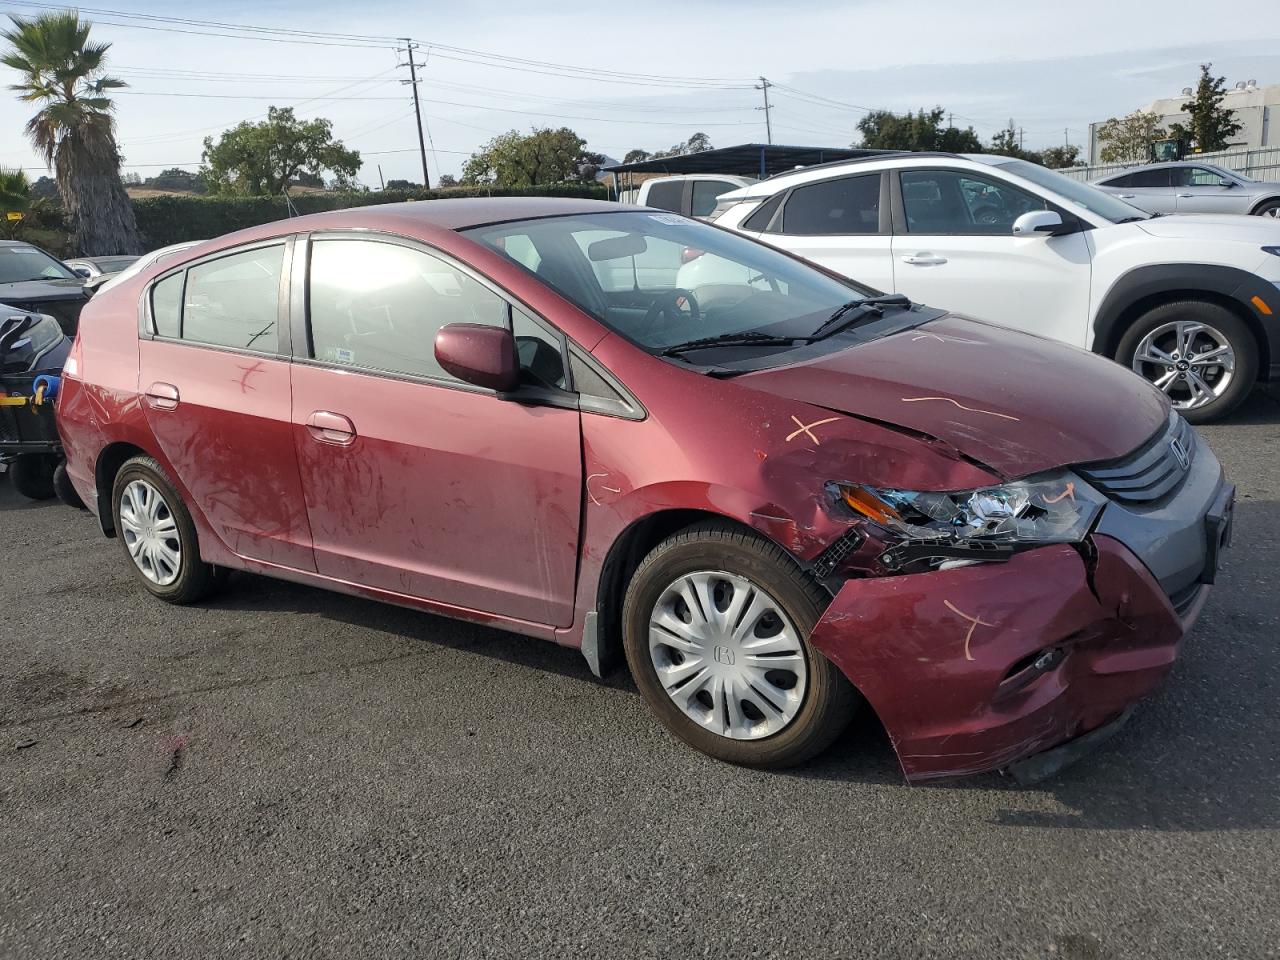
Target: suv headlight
x: 1059, y: 508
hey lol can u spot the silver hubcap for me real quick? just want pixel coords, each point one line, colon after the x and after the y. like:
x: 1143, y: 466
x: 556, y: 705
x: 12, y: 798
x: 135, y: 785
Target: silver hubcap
x: 727, y: 655
x: 1191, y: 362
x: 150, y: 532
x: 1271, y: 212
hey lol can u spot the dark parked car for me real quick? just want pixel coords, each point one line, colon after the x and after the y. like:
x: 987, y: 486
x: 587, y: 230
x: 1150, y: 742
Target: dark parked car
x: 37, y: 282
x: 778, y: 496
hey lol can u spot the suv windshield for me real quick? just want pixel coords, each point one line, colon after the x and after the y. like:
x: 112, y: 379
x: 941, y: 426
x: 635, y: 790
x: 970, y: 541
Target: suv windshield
x: 22, y: 262
x: 1081, y: 194
x: 661, y: 280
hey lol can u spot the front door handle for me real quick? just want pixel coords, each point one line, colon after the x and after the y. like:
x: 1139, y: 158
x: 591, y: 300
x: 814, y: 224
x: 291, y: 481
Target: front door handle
x: 1186, y: 195
x: 162, y: 396
x: 332, y: 428
x: 1128, y: 196
x: 924, y: 260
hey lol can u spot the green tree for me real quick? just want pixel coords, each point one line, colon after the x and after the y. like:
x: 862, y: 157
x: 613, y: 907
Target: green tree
x: 1210, y: 126
x: 446, y: 180
x: 15, y: 197
x: 922, y: 130
x: 1055, y: 158
x: 544, y: 156
x: 74, y: 131
x: 261, y: 159
x: 1128, y: 139
x: 636, y: 155
x: 177, y: 180
x: 1007, y: 143
x: 698, y: 143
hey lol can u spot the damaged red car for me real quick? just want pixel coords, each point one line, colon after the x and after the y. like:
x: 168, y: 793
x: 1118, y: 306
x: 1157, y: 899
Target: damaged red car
x: 775, y: 493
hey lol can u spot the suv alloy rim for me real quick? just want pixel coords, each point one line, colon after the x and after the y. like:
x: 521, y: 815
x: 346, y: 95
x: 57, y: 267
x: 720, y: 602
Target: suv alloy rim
x: 150, y: 532
x: 728, y: 655
x: 1192, y: 362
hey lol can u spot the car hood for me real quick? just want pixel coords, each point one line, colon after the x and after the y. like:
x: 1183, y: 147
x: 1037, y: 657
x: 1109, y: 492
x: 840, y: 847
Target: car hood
x: 1016, y: 403
x: 1224, y: 226
x: 33, y: 290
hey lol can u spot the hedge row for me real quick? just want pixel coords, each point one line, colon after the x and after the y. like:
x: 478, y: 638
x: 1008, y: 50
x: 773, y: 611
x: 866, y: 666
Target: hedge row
x: 176, y: 218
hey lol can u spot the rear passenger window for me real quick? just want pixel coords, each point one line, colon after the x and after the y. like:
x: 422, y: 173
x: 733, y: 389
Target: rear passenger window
x: 380, y: 305
x: 234, y: 301
x: 834, y: 207
x: 1150, y: 178
x: 705, y: 194
x: 666, y: 196
x: 166, y: 306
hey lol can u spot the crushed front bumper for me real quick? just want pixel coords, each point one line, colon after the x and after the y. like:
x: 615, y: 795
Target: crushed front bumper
x: 973, y: 668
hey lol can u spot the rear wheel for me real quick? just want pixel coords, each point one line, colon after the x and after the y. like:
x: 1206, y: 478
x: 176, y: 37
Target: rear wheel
x: 65, y: 489
x: 715, y: 627
x: 158, y: 536
x: 32, y: 475
x: 1200, y: 354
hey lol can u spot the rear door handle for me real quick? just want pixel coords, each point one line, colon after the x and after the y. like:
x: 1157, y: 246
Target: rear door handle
x: 162, y: 396
x: 1128, y: 196
x: 332, y: 428
x: 924, y: 260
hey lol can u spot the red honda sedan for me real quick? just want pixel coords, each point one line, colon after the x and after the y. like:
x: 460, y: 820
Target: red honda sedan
x: 777, y: 493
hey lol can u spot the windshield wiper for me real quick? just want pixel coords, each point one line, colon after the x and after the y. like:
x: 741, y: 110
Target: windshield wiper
x: 748, y: 338
x: 853, y: 311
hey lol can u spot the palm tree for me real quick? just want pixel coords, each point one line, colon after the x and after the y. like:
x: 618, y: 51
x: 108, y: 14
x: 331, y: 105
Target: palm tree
x: 75, y: 128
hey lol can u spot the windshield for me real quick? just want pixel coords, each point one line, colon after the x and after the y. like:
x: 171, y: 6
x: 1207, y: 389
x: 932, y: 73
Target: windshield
x: 23, y: 262
x: 661, y: 280
x: 1081, y: 194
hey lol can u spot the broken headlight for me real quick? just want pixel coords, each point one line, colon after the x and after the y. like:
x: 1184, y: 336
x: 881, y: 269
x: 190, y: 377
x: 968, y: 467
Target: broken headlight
x: 1054, y: 509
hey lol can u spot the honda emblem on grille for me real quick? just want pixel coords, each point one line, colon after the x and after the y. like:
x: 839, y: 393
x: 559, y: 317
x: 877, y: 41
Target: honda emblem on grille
x: 1180, y: 453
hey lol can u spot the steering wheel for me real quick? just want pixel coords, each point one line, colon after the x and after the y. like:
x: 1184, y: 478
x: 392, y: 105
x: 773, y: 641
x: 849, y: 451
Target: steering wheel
x: 668, y: 305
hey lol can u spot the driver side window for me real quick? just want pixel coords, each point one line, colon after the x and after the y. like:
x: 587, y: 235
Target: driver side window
x: 951, y: 202
x: 379, y: 305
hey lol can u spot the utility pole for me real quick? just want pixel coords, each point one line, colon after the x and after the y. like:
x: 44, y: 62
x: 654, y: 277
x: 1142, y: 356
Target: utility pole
x: 381, y: 180
x: 768, y: 125
x: 1066, y: 136
x: 417, y: 110
x: 1020, y: 132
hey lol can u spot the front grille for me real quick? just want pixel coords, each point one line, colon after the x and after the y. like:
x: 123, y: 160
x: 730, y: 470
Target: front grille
x: 1152, y: 472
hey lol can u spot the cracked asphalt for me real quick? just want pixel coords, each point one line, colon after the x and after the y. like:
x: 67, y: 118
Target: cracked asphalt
x: 287, y: 772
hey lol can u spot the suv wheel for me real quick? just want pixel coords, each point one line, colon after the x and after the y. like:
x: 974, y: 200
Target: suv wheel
x: 157, y: 534
x: 1200, y: 354
x: 715, y: 627
x: 1269, y: 209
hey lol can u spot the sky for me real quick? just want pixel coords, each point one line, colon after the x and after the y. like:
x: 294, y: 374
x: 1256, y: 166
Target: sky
x: 1050, y: 67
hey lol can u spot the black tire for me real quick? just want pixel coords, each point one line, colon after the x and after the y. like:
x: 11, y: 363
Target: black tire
x: 64, y: 488
x: 32, y: 475
x: 829, y: 700
x: 196, y: 579
x: 1270, y: 208
x: 1238, y: 337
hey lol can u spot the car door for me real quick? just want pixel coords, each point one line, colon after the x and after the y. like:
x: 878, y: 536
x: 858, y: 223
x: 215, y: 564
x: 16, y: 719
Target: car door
x: 213, y: 372
x: 1149, y: 189
x: 841, y: 223
x: 953, y: 247
x: 416, y: 482
x: 1202, y: 190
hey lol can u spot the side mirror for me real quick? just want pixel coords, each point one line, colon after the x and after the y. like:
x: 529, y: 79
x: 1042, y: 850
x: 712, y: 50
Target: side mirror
x: 82, y: 272
x: 1225, y: 182
x: 479, y: 354
x: 1037, y: 221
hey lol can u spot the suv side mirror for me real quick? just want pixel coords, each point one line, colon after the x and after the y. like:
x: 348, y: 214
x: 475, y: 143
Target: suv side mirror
x: 1226, y: 182
x: 1037, y: 221
x: 479, y: 354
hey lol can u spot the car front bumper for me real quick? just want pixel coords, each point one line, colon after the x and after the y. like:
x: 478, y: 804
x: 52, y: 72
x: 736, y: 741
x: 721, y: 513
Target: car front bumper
x: 974, y: 668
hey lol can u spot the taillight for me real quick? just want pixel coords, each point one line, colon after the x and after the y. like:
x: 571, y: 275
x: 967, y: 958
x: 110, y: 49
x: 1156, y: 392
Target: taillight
x: 689, y: 254
x: 71, y: 369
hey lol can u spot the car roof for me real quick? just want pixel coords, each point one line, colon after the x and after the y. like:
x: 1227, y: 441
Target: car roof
x: 821, y: 171
x: 464, y: 212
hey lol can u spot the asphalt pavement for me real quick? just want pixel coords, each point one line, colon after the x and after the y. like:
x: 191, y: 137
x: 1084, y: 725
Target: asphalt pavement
x: 288, y: 772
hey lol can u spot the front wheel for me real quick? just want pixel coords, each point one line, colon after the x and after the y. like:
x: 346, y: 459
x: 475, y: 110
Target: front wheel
x: 1269, y: 209
x: 1200, y: 354
x: 715, y: 628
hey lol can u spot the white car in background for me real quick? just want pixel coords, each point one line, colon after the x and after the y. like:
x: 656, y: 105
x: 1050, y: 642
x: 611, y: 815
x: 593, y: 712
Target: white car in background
x: 1192, y: 303
x: 691, y: 195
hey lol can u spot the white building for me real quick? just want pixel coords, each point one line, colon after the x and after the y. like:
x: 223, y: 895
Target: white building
x: 1256, y: 109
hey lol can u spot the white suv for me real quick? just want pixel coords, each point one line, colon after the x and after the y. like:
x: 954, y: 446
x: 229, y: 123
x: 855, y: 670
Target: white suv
x: 1191, y: 303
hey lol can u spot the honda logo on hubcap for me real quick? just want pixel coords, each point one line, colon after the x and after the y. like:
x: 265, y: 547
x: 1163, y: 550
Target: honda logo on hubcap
x: 723, y: 654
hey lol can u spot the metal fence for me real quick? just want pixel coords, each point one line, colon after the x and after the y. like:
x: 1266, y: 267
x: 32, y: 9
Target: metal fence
x: 1260, y: 164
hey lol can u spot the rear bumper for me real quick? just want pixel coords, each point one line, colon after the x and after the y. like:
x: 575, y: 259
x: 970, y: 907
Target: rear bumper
x: 975, y: 668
